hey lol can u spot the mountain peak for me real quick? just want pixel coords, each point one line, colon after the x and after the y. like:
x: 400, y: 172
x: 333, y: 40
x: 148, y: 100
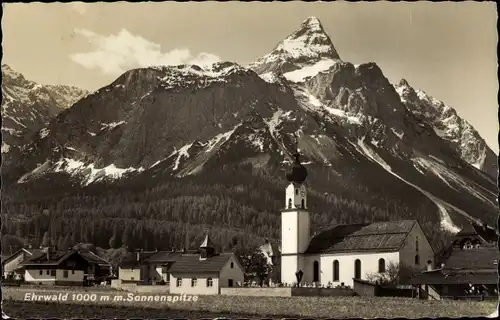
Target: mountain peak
x: 403, y: 83
x: 305, y: 47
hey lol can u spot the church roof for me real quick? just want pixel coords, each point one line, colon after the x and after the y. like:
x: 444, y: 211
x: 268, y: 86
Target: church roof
x: 378, y: 236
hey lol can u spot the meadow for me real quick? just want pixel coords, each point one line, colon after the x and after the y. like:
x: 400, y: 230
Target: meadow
x: 238, y: 306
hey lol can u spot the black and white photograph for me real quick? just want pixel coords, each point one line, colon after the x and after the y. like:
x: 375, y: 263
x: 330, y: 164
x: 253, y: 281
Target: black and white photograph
x: 249, y: 160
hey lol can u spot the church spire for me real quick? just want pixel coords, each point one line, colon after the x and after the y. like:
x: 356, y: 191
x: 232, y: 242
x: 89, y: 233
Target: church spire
x: 207, y: 248
x: 298, y: 173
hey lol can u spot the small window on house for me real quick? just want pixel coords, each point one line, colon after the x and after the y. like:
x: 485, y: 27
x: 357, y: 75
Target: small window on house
x: 232, y: 265
x: 53, y: 273
x: 65, y: 273
x: 381, y: 265
x: 230, y: 282
x: 194, y: 281
x: 417, y: 259
x: 210, y: 282
x: 290, y: 203
x: 179, y: 282
x: 336, y: 270
x: 41, y: 272
x: 72, y: 271
x: 47, y: 272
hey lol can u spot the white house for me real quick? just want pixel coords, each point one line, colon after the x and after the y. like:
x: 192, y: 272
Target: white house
x: 11, y: 263
x: 205, y: 273
x: 340, y: 254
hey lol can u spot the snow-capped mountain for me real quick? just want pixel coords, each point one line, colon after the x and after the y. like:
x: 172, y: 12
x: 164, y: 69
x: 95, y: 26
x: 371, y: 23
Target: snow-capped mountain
x: 360, y: 142
x: 28, y: 106
x: 449, y: 126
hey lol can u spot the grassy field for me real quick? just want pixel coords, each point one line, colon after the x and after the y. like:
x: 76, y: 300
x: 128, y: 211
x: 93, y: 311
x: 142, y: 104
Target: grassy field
x: 237, y: 306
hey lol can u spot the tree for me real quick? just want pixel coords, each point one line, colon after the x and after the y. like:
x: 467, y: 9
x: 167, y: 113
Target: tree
x: 46, y: 240
x: 394, y: 275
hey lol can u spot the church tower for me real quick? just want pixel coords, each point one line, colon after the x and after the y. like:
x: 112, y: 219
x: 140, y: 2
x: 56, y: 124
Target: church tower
x: 295, y: 223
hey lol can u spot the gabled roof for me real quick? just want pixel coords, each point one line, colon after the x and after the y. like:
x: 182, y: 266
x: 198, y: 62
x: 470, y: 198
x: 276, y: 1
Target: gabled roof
x: 55, y: 258
x: 28, y: 251
x: 473, y: 259
x: 207, y: 242
x: 130, y: 261
x: 193, y: 264
x: 378, y: 236
x: 93, y: 258
x: 442, y: 277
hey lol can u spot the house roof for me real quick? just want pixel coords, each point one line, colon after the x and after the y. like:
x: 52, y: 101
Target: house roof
x: 484, y: 233
x: 441, y: 277
x: 378, y: 236
x: 130, y: 260
x: 163, y: 256
x: 93, y: 258
x: 55, y: 257
x: 191, y: 263
x: 476, y: 258
x: 28, y: 251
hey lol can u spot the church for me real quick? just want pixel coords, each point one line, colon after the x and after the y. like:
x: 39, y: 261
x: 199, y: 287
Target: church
x: 338, y: 255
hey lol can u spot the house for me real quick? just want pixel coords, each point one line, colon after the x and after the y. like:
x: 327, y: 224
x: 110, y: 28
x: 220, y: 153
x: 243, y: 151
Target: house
x: 55, y: 267
x: 98, y: 269
x: 467, y: 271
x: 338, y: 255
x: 11, y: 263
x: 203, y: 271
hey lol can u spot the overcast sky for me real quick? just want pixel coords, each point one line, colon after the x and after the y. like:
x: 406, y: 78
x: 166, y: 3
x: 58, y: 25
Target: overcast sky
x: 447, y: 49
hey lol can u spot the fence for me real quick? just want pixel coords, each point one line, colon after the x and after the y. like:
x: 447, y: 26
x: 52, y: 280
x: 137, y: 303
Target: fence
x: 471, y: 297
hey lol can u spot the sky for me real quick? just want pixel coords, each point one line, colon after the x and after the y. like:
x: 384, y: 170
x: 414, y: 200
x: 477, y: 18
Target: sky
x: 446, y: 49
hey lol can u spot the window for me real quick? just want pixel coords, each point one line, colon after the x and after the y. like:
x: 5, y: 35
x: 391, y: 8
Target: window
x: 336, y: 270
x: 41, y: 272
x: 303, y: 204
x: 179, y: 282
x: 232, y: 265
x: 65, y: 273
x: 381, y: 265
x: 417, y: 259
x: 416, y: 244
x: 72, y: 271
x: 357, y: 269
x: 210, y: 282
x: 53, y: 273
x: 47, y: 271
x: 290, y: 203
x: 132, y: 278
x: 296, y: 191
x: 316, y: 271
x: 194, y: 281
x: 230, y: 282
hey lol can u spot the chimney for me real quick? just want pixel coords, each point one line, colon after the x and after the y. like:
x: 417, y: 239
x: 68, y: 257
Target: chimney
x: 138, y: 255
x: 173, y: 249
x: 429, y: 265
x: 442, y: 265
x: 183, y: 250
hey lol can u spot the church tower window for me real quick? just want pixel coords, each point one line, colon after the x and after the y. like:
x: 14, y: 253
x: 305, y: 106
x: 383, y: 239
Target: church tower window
x: 357, y: 269
x: 316, y: 271
x: 296, y: 191
x: 290, y: 203
x: 381, y: 265
x: 336, y: 270
x: 303, y: 204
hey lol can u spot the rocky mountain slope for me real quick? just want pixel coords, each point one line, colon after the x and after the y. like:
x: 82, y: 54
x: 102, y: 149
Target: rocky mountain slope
x: 227, y: 131
x: 28, y: 106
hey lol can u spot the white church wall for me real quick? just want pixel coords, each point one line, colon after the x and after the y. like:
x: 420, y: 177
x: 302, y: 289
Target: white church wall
x: 289, y: 265
x: 289, y: 232
x: 369, y: 264
x: 410, y: 250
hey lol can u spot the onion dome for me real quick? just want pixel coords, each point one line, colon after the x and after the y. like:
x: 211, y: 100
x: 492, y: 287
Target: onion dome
x: 298, y: 173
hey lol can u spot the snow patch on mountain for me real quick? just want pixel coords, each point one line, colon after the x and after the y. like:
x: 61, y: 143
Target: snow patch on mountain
x: 44, y: 132
x: 181, y: 153
x: 5, y: 147
x: 111, y: 126
x: 302, y: 74
x: 218, y: 138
